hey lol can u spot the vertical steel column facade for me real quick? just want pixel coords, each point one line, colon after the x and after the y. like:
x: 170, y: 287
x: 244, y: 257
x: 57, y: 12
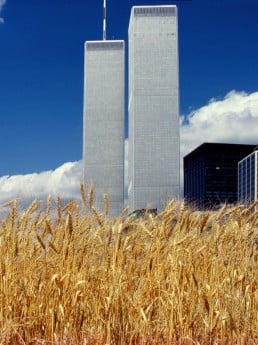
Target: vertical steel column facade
x: 248, y: 179
x: 153, y: 107
x: 103, y: 127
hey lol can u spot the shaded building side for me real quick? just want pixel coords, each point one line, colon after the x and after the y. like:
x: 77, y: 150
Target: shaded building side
x: 210, y: 173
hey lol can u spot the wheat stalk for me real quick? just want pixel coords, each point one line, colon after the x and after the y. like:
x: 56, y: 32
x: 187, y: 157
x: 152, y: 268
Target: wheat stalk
x: 79, y: 278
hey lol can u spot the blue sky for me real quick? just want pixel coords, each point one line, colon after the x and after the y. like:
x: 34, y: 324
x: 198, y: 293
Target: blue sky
x: 41, y: 70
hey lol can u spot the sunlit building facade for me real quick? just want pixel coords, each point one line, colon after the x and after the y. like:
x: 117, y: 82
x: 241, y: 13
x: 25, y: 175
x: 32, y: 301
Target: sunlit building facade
x: 248, y: 178
x: 153, y: 107
x: 103, y: 128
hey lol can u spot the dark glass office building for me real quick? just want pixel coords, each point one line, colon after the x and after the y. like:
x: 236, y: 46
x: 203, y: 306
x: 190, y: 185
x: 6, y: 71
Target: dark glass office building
x: 210, y: 173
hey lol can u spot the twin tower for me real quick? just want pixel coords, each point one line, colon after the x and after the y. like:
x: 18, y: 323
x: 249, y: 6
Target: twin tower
x: 153, y: 113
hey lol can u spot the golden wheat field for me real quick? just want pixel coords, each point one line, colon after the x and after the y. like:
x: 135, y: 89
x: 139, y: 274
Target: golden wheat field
x: 75, y: 276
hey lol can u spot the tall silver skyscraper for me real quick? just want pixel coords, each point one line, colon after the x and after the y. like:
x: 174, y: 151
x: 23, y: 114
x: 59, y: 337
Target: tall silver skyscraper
x: 103, y: 133
x: 153, y: 107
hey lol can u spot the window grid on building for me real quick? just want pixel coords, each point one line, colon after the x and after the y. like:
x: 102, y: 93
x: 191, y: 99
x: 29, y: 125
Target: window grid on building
x: 153, y: 107
x: 103, y: 129
x: 211, y: 174
x: 247, y: 179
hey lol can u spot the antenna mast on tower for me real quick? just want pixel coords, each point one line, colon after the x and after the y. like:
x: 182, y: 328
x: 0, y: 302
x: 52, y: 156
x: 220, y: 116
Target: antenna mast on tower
x: 104, y: 20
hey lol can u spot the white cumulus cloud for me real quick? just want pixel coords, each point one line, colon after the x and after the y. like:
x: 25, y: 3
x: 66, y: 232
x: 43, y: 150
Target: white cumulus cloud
x: 233, y: 119
x: 2, y: 2
x: 63, y: 181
